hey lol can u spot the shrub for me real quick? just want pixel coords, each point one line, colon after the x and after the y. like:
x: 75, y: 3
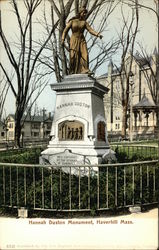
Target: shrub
x: 28, y: 156
x: 128, y: 154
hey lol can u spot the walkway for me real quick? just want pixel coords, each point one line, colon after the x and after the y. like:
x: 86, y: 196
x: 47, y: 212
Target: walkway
x: 134, y: 231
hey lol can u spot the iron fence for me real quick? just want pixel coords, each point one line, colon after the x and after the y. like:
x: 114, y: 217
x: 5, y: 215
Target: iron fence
x: 80, y: 188
x: 139, y: 151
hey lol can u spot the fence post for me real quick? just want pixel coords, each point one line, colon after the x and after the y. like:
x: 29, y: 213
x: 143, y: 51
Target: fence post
x: 17, y: 187
x: 79, y: 188
x: 154, y: 183
x: 51, y: 190
x: 34, y: 185
x: 42, y: 188
x: 98, y: 189
x: 107, y: 188
x: 89, y: 189
x: 60, y: 188
x: 4, y: 187
x: 141, y: 188
x: 116, y: 186
x: 133, y: 184
x: 10, y: 180
x: 124, y: 186
x: 70, y: 191
x: 25, y: 195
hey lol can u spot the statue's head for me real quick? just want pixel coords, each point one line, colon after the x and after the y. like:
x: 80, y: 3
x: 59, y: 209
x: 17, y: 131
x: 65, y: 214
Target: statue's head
x: 83, y: 12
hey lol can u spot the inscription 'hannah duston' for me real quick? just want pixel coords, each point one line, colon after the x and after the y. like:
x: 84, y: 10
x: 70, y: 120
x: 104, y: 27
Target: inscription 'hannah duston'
x: 71, y: 130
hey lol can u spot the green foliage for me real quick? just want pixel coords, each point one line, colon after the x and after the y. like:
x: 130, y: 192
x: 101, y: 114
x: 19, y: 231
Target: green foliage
x: 50, y: 188
x: 27, y: 156
x: 121, y: 156
x: 133, y: 154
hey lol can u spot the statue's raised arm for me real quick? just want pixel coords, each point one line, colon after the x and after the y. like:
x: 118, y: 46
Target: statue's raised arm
x: 79, y: 61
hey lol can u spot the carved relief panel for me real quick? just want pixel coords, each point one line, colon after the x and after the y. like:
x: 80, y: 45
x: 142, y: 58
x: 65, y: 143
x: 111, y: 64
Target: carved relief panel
x: 71, y: 130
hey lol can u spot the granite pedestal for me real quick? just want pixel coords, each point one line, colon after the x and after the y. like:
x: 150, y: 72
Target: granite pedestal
x: 79, y: 131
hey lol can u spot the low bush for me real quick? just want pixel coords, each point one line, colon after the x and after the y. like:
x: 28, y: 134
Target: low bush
x: 28, y: 156
x: 128, y: 154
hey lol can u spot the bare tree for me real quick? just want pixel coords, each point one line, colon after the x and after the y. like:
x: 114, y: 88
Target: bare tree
x: 147, y: 63
x: 154, y: 8
x: 64, y: 10
x: 127, y: 40
x: 24, y: 62
x: 4, y: 87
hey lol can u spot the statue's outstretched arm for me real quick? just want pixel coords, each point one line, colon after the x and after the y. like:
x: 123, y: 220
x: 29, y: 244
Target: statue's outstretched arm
x: 92, y: 31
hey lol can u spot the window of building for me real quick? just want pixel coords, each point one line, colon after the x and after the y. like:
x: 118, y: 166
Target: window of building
x: 118, y: 85
x: 10, y: 133
x: 2, y: 134
x: 117, y: 126
x: 117, y: 118
x: 36, y: 134
x: 10, y: 125
x: 48, y: 126
x: 35, y: 126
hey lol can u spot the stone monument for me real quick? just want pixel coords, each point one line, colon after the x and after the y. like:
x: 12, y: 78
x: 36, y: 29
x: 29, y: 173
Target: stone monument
x: 79, y: 131
x: 79, y: 134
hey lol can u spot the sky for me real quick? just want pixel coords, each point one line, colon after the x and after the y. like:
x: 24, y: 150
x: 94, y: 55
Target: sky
x: 147, y: 36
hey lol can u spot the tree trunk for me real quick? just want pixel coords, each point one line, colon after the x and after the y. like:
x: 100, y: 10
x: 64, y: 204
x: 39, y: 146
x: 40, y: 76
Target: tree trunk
x: 124, y: 121
x: 18, y: 128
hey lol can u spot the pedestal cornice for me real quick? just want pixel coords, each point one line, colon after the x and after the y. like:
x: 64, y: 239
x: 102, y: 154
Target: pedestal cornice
x: 80, y: 82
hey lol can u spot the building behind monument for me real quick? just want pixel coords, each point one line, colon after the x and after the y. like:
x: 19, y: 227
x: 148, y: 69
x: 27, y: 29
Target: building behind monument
x: 144, y: 115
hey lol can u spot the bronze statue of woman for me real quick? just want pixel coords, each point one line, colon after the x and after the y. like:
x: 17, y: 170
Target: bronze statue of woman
x: 79, y: 62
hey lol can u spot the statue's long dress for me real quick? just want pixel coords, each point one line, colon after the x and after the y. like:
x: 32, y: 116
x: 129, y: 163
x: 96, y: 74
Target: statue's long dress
x: 79, y: 62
